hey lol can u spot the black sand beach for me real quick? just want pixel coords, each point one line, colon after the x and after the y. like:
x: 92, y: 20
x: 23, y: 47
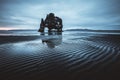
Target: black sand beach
x: 72, y: 55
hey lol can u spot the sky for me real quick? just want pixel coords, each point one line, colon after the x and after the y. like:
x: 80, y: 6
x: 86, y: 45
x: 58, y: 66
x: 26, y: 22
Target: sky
x: 85, y: 14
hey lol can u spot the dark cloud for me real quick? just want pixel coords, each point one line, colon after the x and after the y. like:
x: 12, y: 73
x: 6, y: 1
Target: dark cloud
x: 79, y: 12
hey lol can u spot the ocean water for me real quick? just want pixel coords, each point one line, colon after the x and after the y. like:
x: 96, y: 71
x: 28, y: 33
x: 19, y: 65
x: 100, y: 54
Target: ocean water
x: 35, y: 32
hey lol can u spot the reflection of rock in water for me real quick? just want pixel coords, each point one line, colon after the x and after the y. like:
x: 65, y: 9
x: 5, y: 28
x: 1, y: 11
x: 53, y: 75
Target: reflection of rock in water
x: 53, y: 39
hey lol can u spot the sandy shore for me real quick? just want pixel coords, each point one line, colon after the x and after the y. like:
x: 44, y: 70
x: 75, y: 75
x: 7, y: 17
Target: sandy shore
x: 13, y: 39
x: 70, y: 56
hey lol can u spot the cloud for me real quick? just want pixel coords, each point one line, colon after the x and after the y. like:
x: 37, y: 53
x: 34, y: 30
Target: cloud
x: 79, y: 12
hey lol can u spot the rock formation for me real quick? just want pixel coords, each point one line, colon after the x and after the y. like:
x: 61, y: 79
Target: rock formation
x: 51, y: 22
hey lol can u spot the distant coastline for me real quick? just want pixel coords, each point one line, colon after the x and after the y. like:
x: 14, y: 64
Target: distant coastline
x: 34, y: 31
x: 90, y: 30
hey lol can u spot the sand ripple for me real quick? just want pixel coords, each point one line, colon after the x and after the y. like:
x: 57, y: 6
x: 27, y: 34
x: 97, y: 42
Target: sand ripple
x: 79, y: 58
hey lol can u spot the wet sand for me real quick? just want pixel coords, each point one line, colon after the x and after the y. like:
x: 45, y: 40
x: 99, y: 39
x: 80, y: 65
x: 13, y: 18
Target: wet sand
x: 70, y: 56
x: 13, y: 39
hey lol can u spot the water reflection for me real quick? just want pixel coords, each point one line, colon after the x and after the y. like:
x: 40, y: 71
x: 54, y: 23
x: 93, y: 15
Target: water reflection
x: 52, y: 39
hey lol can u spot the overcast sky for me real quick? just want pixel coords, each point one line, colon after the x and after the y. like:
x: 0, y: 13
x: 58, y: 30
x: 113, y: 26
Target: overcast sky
x: 93, y: 14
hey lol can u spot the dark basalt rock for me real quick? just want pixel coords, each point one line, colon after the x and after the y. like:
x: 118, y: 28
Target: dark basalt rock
x: 51, y: 22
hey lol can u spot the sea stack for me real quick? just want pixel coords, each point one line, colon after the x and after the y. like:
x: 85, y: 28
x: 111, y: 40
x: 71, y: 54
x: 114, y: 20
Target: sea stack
x: 51, y: 22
